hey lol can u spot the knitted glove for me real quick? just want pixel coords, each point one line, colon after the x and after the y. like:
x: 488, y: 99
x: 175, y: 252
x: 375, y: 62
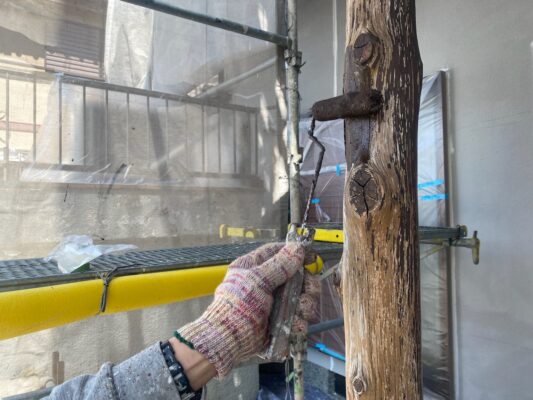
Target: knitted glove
x: 235, y: 326
x: 307, y: 309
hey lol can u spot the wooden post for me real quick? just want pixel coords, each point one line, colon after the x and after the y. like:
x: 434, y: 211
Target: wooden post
x: 380, y: 270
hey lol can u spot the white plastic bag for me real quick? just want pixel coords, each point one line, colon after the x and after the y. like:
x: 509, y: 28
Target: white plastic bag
x: 76, y: 251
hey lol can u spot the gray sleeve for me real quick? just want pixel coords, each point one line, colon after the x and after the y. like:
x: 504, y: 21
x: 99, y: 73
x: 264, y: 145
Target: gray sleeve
x: 143, y: 376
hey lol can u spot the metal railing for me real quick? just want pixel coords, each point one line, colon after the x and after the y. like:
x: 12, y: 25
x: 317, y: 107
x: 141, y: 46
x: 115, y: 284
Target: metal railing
x: 251, y: 116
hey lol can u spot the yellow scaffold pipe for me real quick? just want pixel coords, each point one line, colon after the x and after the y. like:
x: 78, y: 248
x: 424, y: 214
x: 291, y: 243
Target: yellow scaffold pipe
x: 31, y: 310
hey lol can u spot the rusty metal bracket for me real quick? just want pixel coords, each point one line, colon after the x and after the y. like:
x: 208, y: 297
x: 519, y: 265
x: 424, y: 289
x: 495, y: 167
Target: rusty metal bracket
x: 348, y: 105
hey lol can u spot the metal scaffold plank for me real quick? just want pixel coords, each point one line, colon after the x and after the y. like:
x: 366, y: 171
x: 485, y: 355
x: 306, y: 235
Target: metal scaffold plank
x: 35, y: 295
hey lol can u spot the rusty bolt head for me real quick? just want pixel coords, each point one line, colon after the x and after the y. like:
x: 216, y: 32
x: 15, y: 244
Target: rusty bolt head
x: 365, y: 48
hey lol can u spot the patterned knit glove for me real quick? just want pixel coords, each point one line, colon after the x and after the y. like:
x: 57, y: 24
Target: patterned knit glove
x: 307, y: 310
x: 235, y: 326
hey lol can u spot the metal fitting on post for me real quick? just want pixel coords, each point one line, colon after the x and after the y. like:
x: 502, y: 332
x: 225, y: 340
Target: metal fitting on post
x: 349, y: 105
x: 366, y: 48
x: 293, y: 58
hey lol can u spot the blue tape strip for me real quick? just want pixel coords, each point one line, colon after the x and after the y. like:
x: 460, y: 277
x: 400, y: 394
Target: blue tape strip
x: 338, y: 170
x: 324, y: 349
x: 430, y: 197
x: 315, y: 201
x: 436, y: 182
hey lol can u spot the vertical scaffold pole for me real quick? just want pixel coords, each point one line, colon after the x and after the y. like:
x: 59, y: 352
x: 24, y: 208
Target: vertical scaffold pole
x: 293, y: 67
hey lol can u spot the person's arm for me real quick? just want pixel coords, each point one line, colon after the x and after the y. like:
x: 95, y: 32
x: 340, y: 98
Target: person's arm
x: 233, y: 328
x: 143, y: 376
x: 198, y: 370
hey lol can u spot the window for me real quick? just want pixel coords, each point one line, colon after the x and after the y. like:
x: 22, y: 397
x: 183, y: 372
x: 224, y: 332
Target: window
x: 78, y: 50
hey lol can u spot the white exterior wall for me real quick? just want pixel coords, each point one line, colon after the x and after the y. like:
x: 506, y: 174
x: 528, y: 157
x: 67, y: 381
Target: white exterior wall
x: 487, y: 47
x: 321, y: 40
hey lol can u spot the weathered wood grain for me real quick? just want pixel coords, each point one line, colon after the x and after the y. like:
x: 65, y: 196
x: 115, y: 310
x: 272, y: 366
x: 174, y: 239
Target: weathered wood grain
x: 380, y: 269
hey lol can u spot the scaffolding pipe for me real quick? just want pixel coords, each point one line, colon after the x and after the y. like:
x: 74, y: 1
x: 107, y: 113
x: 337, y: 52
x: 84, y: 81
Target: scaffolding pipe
x: 292, y: 60
x: 239, y: 78
x: 293, y: 69
x: 325, y: 326
x: 30, y: 310
x: 217, y: 22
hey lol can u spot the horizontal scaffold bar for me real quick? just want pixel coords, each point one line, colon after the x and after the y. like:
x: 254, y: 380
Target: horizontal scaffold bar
x: 217, y: 22
x: 31, y: 310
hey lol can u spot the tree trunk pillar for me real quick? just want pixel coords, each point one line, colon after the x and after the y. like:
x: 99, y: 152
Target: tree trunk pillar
x: 380, y: 268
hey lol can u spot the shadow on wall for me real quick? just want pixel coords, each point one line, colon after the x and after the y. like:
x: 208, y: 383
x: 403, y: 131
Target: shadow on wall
x: 15, y: 43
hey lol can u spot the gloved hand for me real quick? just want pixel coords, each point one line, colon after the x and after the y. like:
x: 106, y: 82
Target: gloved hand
x: 235, y: 326
x: 307, y: 310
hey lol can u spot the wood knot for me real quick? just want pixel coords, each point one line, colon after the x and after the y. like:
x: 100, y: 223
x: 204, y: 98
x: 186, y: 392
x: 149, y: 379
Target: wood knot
x: 359, y: 385
x: 365, y: 193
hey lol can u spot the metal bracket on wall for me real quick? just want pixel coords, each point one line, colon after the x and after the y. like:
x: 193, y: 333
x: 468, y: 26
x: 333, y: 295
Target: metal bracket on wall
x: 462, y: 240
x: 470, y: 243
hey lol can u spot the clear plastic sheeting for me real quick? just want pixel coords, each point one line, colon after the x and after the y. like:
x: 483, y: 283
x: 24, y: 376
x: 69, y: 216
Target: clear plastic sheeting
x: 75, y: 251
x: 131, y: 126
x: 330, y: 308
x: 182, y: 132
x: 432, y: 211
x: 195, y: 59
x: 327, y: 207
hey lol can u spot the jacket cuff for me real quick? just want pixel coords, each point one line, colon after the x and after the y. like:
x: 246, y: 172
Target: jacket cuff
x: 145, y: 376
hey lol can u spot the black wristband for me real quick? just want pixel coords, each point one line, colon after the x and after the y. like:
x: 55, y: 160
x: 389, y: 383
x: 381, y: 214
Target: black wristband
x: 176, y: 371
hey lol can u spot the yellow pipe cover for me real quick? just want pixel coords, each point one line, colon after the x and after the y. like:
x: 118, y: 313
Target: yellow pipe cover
x: 31, y: 310
x: 327, y: 235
